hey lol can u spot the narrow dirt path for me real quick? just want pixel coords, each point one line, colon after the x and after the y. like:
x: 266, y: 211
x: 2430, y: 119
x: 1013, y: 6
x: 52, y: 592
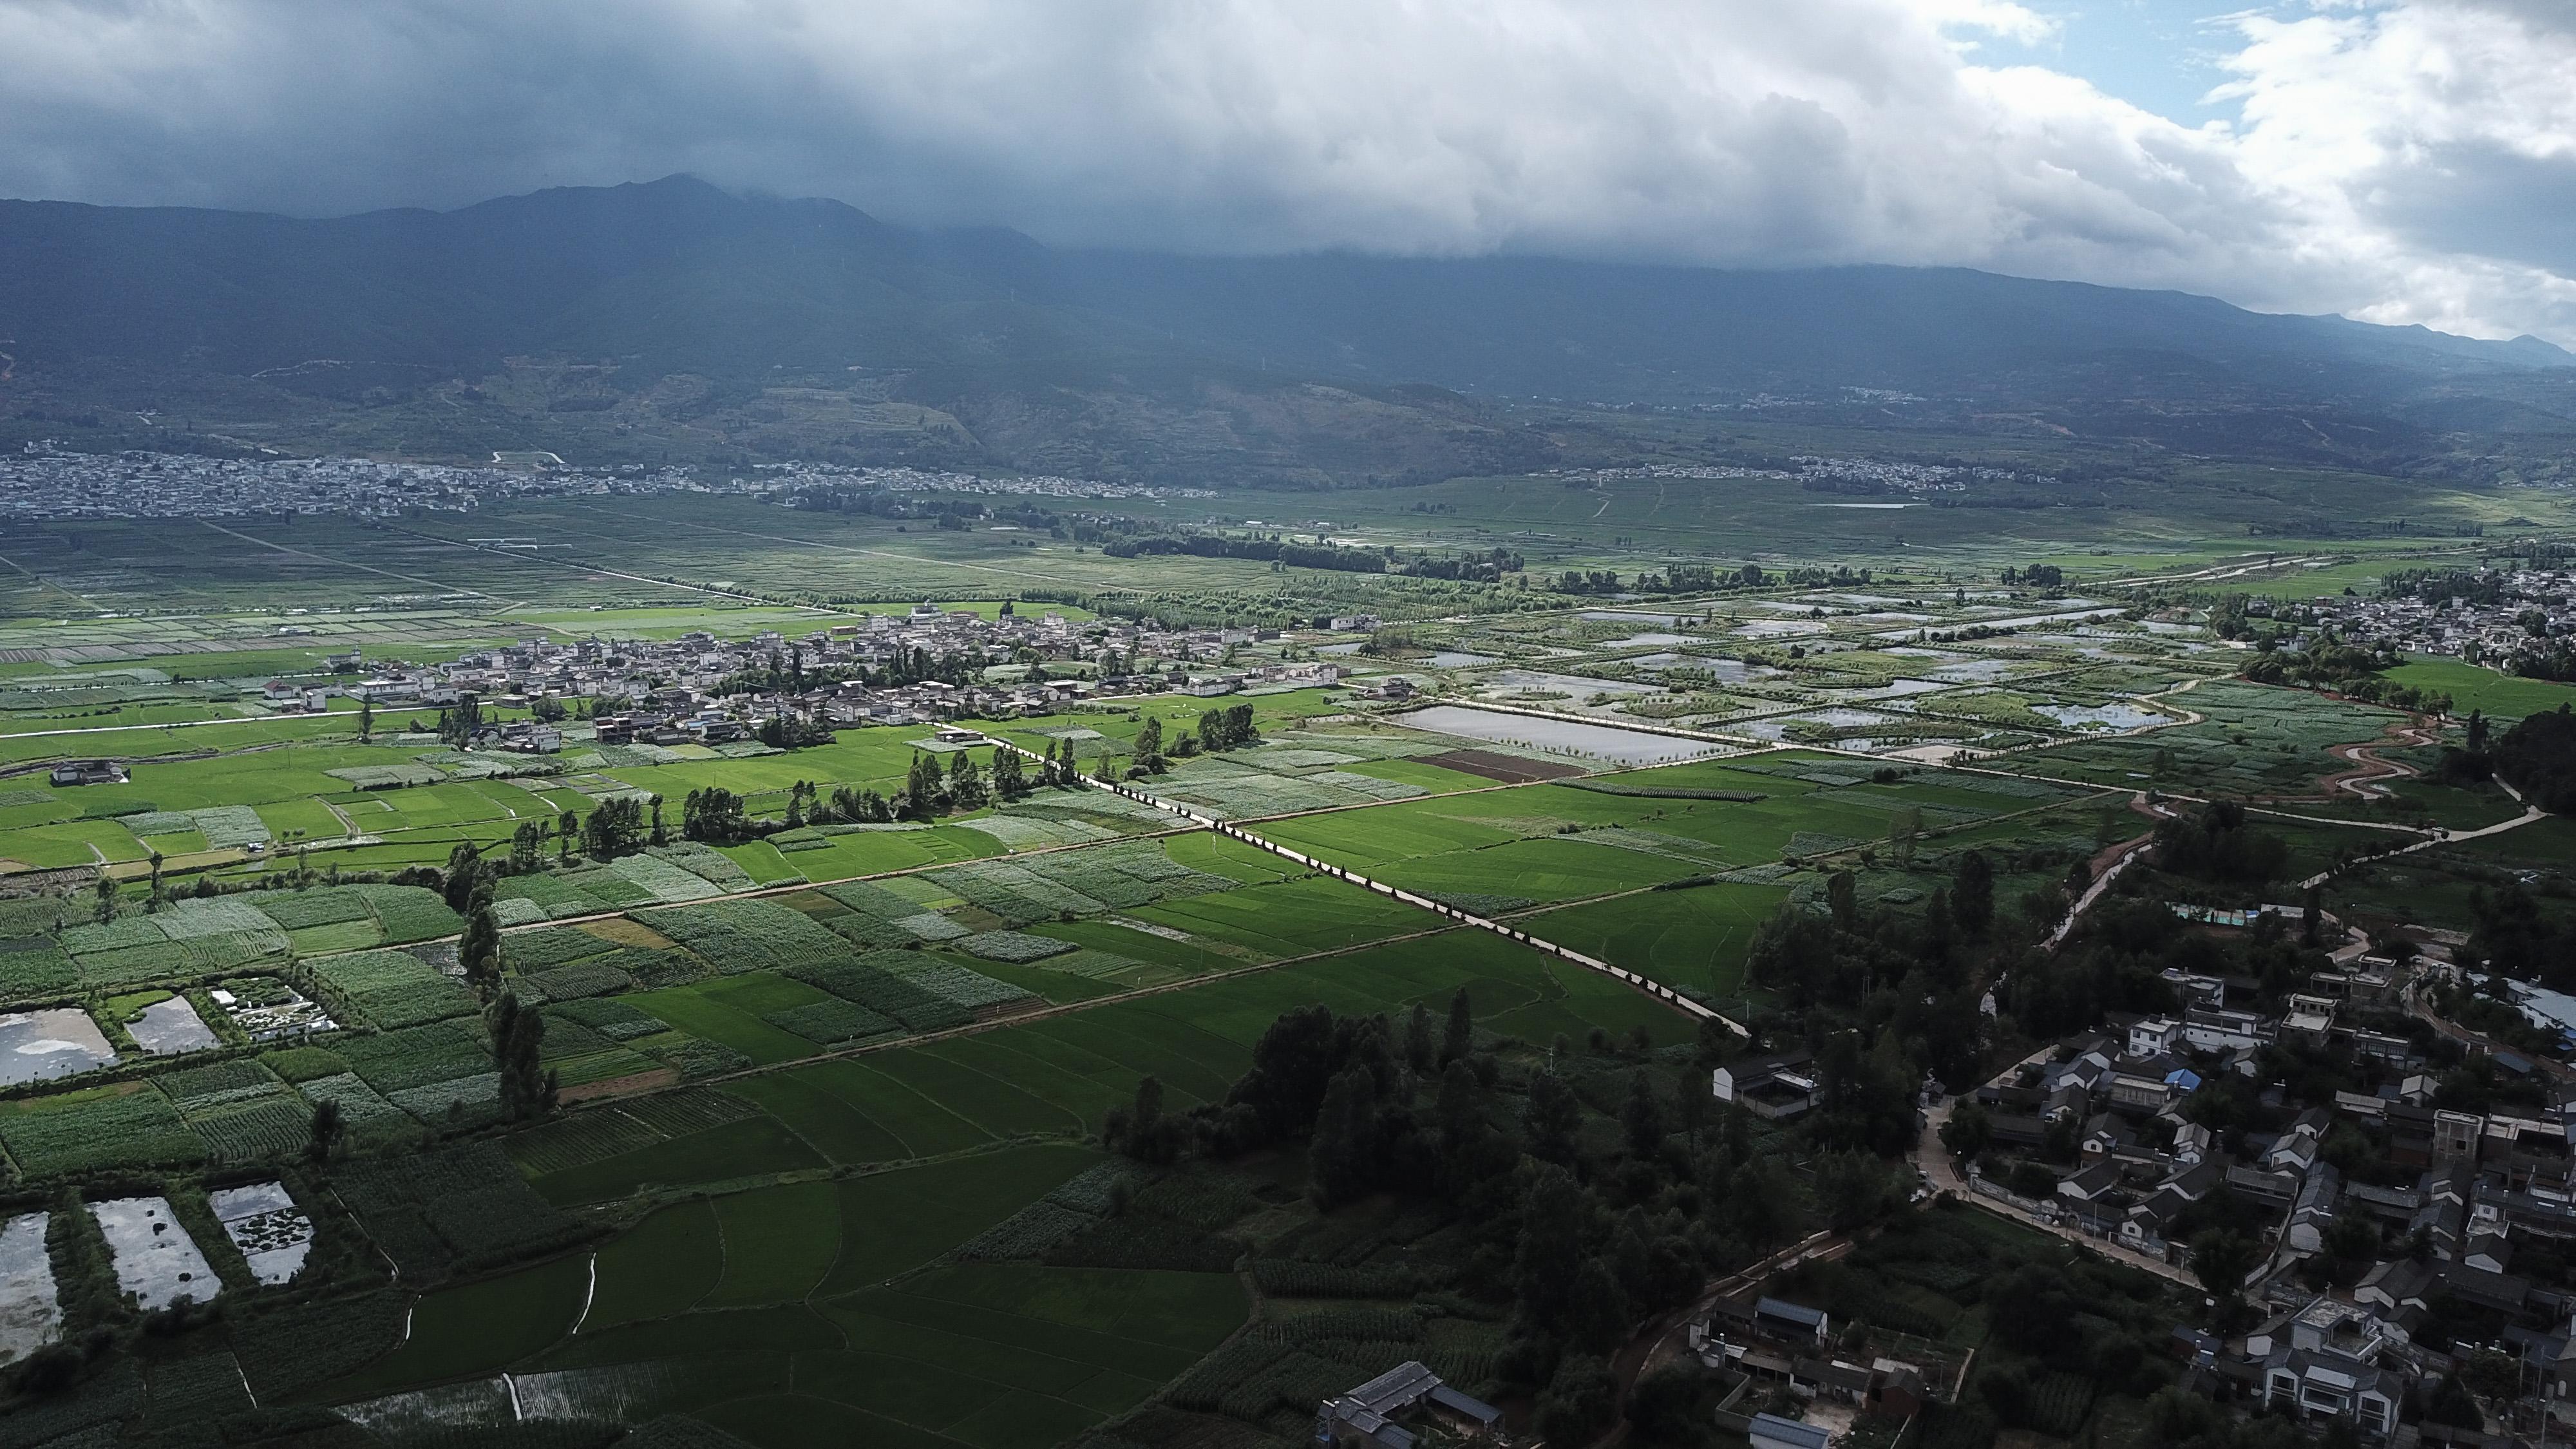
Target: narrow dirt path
x: 2370, y: 773
x: 2106, y: 866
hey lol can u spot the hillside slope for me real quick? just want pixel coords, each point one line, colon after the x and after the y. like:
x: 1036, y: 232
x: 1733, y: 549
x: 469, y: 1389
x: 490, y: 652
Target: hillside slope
x: 1295, y: 365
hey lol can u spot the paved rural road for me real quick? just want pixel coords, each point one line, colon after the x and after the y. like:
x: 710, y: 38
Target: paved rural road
x: 1935, y: 1161
x: 2415, y: 1004
x: 2120, y: 858
x: 2530, y: 813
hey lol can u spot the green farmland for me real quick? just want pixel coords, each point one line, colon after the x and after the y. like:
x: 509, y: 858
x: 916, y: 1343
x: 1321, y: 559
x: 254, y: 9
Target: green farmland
x: 825, y: 1129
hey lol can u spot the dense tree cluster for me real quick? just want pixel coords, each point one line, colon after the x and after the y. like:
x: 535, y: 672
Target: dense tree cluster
x: 1271, y: 548
x: 715, y: 815
x: 1148, y: 748
x: 614, y: 827
x: 1487, y: 567
x: 1886, y: 996
x: 1587, y: 1191
x: 1227, y: 729
x: 2216, y: 843
x: 2538, y: 757
x: 528, y: 1087
x: 2515, y: 938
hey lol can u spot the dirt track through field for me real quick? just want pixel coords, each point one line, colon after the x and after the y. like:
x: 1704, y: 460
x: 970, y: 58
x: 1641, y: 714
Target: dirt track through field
x: 2369, y: 772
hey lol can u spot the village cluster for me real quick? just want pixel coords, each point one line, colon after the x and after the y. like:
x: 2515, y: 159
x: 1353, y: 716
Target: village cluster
x: 2489, y: 616
x: 927, y: 665
x: 2402, y: 1188
x: 40, y: 484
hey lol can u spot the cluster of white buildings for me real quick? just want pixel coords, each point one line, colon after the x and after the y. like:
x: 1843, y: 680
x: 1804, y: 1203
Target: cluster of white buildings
x: 703, y: 688
x: 918, y: 480
x: 42, y: 485
x: 2481, y: 632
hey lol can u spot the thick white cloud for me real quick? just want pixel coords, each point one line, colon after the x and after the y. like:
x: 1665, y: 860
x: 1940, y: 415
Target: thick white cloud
x: 1731, y: 131
x: 2428, y: 151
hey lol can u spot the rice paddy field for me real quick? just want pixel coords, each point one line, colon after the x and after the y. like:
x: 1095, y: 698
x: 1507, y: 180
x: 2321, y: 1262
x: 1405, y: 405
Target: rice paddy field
x: 828, y: 1166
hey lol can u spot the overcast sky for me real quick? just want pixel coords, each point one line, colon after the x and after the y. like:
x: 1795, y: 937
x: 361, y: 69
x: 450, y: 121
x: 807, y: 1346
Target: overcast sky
x: 2394, y: 160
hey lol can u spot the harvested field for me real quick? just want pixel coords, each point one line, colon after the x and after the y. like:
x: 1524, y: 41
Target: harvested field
x: 1509, y: 769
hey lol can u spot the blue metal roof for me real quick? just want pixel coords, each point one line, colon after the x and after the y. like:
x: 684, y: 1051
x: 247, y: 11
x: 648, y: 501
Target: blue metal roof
x: 1794, y: 1312
x: 1773, y: 1429
x: 1458, y: 1403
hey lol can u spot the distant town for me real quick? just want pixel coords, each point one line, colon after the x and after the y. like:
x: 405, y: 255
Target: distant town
x: 2496, y: 617
x: 929, y: 665
x: 46, y: 484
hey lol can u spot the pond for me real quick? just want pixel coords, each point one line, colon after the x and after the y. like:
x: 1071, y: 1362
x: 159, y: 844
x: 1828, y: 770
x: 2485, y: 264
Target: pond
x: 1630, y: 616
x: 167, y: 1028
x: 1895, y: 689
x: 2068, y: 616
x: 1578, y: 686
x: 1974, y: 671
x: 2101, y: 717
x: 1568, y: 737
x: 156, y: 1260
x: 1778, y: 728
x: 264, y: 1222
x: 30, y: 1316
x: 55, y: 1042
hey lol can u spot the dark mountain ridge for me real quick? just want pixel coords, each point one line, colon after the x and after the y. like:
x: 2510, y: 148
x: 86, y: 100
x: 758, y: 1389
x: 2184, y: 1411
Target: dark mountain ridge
x: 757, y: 282
x: 678, y: 277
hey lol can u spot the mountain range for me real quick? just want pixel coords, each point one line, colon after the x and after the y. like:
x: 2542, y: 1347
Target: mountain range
x: 641, y: 283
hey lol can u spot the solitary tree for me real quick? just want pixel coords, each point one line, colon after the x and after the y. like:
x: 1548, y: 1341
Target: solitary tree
x: 1460, y: 1037
x: 329, y: 1130
x: 2220, y: 1259
x: 480, y: 950
x: 965, y: 783
x: 528, y: 1089
x: 1967, y: 1131
x: 1642, y: 1117
x: 1902, y: 829
x: 527, y: 846
x: 1417, y: 1040
x: 1972, y: 893
x: 1010, y: 782
x: 465, y: 871
x: 1690, y: 1105
x: 1842, y: 895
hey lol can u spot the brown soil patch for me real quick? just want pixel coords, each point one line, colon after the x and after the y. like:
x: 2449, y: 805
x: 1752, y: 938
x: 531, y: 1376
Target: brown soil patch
x: 619, y: 1086
x: 1509, y: 769
x: 626, y: 931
